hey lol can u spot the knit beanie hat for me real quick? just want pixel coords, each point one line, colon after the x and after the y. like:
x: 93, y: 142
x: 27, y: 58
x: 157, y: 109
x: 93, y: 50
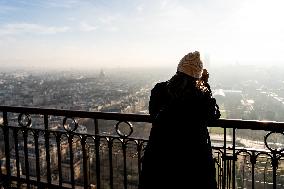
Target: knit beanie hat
x: 191, y: 65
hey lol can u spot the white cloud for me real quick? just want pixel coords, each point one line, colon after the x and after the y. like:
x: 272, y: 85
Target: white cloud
x: 6, y: 9
x: 140, y: 8
x: 19, y: 28
x: 84, y: 26
x: 164, y: 4
x: 51, y: 3
x: 62, y: 3
x: 108, y: 19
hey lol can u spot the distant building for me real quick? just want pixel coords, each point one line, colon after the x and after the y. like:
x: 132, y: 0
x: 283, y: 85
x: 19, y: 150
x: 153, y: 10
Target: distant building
x: 66, y: 164
x: 32, y: 159
x: 102, y: 74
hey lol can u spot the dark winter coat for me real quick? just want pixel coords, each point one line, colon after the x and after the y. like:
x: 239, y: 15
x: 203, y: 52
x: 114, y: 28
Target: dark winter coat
x: 178, y: 154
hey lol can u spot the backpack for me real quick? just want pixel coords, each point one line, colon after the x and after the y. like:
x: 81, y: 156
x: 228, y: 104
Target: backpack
x: 159, y: 98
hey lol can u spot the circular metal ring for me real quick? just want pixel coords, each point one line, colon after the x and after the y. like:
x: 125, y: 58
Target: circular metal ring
x: 122, y: 134
x: 266, y: 143
x: 67, y: 127
x: 24, y: 120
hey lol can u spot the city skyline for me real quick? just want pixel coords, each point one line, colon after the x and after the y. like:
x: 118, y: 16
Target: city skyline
x: 72, y: 33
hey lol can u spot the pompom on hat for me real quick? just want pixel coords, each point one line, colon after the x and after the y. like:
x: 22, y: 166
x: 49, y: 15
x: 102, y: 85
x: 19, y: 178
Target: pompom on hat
x: 191, y: 65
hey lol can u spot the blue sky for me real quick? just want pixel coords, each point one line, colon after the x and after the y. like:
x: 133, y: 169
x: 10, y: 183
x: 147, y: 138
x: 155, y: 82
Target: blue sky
x: 133, y: 33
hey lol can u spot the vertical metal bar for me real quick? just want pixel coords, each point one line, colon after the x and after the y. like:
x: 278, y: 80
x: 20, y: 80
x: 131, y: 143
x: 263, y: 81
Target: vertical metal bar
x: 219, y: 171
x: 110, y: 145
x: 70, y: 141
x: 139, y: 149
x: 124, y: 164
x: 58, y: 139
x: 97, y: 146
x: 26, y: 155
x: 244, y: 171
x: 47, y: 149
x: 15, y: 133
x: 97, y: 131
x: 234, y: 160
x: 264, y: 176
x: 1, y: 174
x: 274, y: 167
x: 229, y: 174
x: 224, y: 160
x: 85, y: 163
x: 253, y: 162
x: 7, y: 147
x: 37, y: 157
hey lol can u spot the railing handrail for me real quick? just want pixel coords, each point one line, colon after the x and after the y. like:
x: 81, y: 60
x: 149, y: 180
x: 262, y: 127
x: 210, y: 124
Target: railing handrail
x: 78, y: 113
x: 223, y: 123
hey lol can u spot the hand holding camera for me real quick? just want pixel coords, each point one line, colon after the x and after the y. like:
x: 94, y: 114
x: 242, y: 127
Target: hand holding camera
x: 205, y: 75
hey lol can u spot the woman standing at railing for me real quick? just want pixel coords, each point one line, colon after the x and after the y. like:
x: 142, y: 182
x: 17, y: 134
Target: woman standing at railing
x: 178, y: 154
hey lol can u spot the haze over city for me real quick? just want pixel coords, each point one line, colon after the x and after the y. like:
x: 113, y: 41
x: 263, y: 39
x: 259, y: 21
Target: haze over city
x: 77, y: 76
x: 75, y: 34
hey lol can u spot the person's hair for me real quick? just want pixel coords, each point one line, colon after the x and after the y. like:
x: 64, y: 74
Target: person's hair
x: 179, y: 83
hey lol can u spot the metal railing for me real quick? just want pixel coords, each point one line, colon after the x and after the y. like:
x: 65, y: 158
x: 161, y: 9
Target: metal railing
x: 51, y: 148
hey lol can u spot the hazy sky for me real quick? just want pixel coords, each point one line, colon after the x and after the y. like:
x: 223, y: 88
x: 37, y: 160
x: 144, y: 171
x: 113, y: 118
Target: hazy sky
x: 112, y: 33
